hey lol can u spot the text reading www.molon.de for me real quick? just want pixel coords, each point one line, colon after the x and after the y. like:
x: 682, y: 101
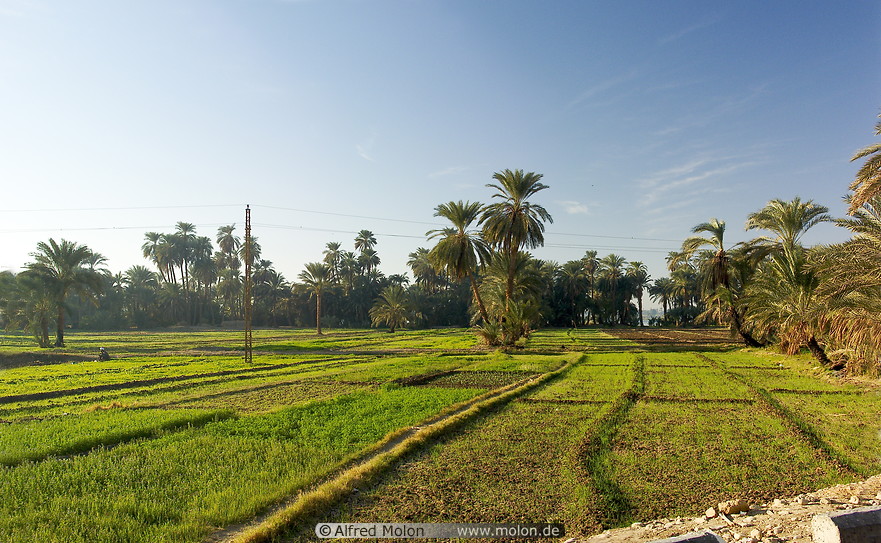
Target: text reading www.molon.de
x: 424, y: 530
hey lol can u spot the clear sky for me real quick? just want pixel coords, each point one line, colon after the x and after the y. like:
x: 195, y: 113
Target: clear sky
x: 331, y: 116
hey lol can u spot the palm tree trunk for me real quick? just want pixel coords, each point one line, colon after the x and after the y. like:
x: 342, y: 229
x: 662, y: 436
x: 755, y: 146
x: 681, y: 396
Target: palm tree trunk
x: 318, y: 313
x: 639, y: 298
x: 818, y: 352
x: 747, y: 338
x: 476, y: 291
x: 59, y: 328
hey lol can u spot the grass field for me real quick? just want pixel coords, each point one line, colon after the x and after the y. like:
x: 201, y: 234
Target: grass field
x: 177, y: 437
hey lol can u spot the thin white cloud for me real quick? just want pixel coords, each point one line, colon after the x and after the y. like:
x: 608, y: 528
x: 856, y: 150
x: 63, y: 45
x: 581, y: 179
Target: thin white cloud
x: 668, y: 188
x: 602, y: 87
x: 687, y: 30
x: 574, y: 208
x: 365, y: 149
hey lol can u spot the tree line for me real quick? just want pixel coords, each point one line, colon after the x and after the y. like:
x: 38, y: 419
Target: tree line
x: 479, y: 273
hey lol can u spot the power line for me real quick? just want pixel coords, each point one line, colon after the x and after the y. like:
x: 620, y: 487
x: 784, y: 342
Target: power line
x: 280, y: 208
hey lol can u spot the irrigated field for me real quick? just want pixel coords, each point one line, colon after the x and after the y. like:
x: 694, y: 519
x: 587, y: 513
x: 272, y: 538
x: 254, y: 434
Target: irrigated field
x: 177, y: 439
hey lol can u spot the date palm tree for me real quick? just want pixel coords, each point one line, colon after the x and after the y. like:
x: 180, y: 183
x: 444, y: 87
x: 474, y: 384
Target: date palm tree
x: 514, y: 223
x: 638, y: 274
x: 332, y: 255
x: 460, y: 251
x: 391, y: 308
x: 782, y: 296
x: 364, y: 241
x: 867, y: 182
x: 66, y: 268
x: 850, y: 286
x: 717, y: 272
x: 317, y: 277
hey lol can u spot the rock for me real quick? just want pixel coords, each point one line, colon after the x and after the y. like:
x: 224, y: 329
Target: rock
x: 857, y: 526
x: 755, y: 533
x: 802, y: 500
x: 825, y: 501
x: 637, y: 525
x: 778, y: 503
x: 732, y: 507
x: 711, y: 513
x: 854, y: 500
x: 699, y: 520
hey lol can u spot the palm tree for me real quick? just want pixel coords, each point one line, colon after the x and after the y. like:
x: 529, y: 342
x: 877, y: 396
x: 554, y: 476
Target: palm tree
x: 153, y: 250
x: 391, y: 308
x: 332, y: 256
x: 867, y: 182
x: 229, y: 245
x: 460, y: 251
x: 365, y: 241
x: 368, y: 260
x: 782, y: 297
x: 661, y: 291
x: 64, y: 268
x: 317, y: 277
x: 717, y: 267
x: 514, y: 223
x: 424, y: 272
x: 591, y: 266
x: 612, y: 268
x: 850, y: 286
x: 572, y: 280
x: 789, y: 220
x: 140, y: 287
x: 638, y: 274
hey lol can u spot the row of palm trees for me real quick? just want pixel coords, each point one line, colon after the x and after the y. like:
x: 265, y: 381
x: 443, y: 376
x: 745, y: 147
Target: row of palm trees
x: 479, y: 265
x: 773, y: 289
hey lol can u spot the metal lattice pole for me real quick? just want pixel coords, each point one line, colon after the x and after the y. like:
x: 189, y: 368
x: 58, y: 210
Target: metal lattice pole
x: 247, y: 301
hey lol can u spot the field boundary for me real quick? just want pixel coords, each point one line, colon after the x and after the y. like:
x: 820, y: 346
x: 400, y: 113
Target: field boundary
x: 795, y: 423
x: 374, y: 461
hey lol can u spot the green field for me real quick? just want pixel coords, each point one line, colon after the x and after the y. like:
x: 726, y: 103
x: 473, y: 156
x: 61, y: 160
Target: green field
x: 177, y: 438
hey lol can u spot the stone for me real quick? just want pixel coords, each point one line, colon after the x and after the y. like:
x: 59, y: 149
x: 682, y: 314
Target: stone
x: 732, y: 507
x: 637, y: 525
x: 755, y: 533
x: 778, y: 503
x: 706, y: 536
x: 802, y: 500
x: 861, y: 525
x: 711, y: 513
x: 854, y: 500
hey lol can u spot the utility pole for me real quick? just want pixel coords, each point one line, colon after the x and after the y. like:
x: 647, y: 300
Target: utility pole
x: 247, y: 305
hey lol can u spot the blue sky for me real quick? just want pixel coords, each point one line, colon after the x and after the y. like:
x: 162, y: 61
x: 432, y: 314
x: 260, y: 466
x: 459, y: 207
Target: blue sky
x: 327, y: 117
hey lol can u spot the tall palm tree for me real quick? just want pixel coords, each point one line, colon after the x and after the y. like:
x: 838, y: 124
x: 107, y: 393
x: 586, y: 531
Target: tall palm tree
x: 317, y: 277
x: 717, y: 268
x: 850, y: 286
x: 364, y: 241
x: 514, y: 223
x: 788, y: 220
x: 424, y: 272
x: 229, y: 245
x: 867, y: 182
x: 572, y: 281
x: 64, y: 268
x: 612, y: 268
x: 591, y: 265
x: 460, y: 251
x: 661, y: 291
x: 782, y: 297
x: 638, y: 274
x: 332, y: 255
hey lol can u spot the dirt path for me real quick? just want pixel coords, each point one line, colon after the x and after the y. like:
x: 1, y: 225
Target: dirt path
x: 233, y: 532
